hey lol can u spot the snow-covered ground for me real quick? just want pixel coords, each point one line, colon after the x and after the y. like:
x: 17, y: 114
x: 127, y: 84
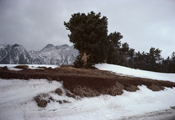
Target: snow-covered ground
x: 34, y: 66
x: 120, y: 70
x: 16, y: 100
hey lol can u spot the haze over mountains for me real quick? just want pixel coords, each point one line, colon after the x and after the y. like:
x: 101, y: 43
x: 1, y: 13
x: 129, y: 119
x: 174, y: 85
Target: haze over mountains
x: 50, y: 54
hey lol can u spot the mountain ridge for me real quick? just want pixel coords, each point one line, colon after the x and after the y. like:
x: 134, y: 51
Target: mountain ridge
x: 50, y: 54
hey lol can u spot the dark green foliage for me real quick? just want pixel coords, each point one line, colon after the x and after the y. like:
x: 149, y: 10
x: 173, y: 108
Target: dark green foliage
x: 114, y: 40
x: 113, y: 52
x: 78, y: 62
x: 148, y: 61
x: 131, y: 53
x: 153, y: 61
x: 125, y: 48
x: 89, y: 36
x: 114, y: 57
x: 90, y: 62
x: 168, y: 65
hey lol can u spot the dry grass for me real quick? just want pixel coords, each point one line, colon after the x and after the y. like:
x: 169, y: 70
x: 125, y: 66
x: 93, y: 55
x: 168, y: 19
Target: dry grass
x: 40, y: 99
x: 4, y: 68
x: 44, y: 98
x: 85, y: 92
x: 82, y: 82
x: 24, y: 67
x: 58, y: 91
x: 87, y: 82
x: 154, y: 87
x: 71, y: 95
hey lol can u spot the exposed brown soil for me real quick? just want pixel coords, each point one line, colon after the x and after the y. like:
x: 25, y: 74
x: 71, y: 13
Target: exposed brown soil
x: 85, y: 82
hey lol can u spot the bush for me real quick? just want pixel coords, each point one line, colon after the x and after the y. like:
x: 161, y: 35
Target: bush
x: 58, y: 91
x: 41, y: 101
x: 78, y: 62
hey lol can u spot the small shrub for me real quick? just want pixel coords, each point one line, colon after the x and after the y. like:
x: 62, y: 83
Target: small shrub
x: 65, y: 101
x: 154, y: 87
x: 51, y: 98
x: 40, y: 99
x: 70, y: 95
x: 131, y: 88
x: 78, y: 63
x: 59, y: 91
x: 59, y: 101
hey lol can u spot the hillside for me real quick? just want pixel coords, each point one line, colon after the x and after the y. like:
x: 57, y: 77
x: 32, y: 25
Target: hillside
x: 86, y: 82
x: 71, y: 93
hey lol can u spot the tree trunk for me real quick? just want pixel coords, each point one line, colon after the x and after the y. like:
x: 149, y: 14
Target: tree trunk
x: 84, y: 58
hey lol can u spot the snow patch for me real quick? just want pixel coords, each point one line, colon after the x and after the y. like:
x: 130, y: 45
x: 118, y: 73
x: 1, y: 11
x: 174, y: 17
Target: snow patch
x: 120, y: 70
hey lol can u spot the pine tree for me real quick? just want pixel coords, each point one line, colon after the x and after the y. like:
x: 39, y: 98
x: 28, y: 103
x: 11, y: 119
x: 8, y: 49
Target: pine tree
x: 173, y: 62
x: 114, y: 43
x: 124, y: 49
x: 89, y: 36
x: 131, y: 53
x: 114, y: 39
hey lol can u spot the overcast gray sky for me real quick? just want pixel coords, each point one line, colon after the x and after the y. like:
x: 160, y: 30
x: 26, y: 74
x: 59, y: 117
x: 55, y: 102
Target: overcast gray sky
x: 35, y: 23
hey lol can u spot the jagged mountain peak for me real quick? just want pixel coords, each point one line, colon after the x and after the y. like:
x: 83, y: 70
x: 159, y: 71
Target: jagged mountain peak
x: 14, y: 54
x: 19, y: 47
x: 16, y: 45
x: 59, y: 54
x: 48, y: 46
x: 50, y: 54
x: 64, y: 45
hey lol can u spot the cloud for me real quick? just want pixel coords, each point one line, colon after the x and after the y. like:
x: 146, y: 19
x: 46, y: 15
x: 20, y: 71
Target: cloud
x: 144, y: 24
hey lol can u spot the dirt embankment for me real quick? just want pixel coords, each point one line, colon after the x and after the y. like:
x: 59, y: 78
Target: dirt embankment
x: 86, y: 82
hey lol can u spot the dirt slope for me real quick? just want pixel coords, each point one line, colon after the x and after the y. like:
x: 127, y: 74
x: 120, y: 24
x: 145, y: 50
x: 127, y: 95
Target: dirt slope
x: 86, y: 82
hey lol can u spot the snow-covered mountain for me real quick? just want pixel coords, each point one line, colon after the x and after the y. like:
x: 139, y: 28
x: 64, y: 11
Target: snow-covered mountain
x: 54, y: 55
x: 50, y: 54
x: 14, y: 54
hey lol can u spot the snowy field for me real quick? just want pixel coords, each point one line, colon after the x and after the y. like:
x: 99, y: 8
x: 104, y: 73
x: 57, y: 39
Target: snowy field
x: 16, y: 100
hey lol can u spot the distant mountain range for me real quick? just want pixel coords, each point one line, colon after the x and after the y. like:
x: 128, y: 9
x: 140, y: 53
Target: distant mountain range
x: 50, y: 54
